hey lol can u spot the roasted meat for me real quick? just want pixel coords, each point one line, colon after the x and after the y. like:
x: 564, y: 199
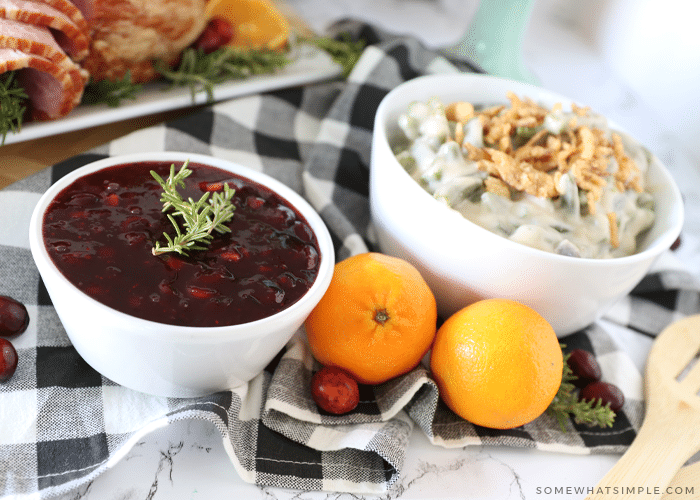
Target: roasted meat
x: 74, y: 41
x: 56, y: 46
x: 127, y: 35
x: 51, y: 88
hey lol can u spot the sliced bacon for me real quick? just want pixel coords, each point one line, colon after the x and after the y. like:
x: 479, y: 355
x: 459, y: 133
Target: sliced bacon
x: 39, y: 41
x: 49, y: 86
x: 87, y: 7
x: 74, y: 41
x: 71, y: 10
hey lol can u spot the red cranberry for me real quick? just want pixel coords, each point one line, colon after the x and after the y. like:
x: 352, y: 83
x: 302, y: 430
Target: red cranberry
x: 200, y: 292
x: 216, y: 34
x: 255, y: 202
x: 112, y: 200
x: 243, y: 264
x: 211, y: 186
x: 14, y: 318
x: 232, y: 256
x: 334, y: 390
x: 8, y: 360
x: 311, y: 256
x: 585, y: 367
x: 608, y: 393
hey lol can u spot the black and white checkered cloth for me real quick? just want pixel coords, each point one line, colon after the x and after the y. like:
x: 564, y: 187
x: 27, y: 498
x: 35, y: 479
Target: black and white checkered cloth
x: 62, y: 423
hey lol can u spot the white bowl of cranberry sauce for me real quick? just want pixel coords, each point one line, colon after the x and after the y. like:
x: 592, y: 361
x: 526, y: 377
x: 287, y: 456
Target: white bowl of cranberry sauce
x: 170, y: 324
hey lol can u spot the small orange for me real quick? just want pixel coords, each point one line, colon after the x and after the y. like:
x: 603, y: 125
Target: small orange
x: 497, y: 363
x: 257, y: 24
x: 376, y: 320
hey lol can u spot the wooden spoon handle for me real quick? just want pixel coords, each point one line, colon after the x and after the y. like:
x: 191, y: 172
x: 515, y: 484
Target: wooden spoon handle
x: 685, y: 485
x: 647, y: 468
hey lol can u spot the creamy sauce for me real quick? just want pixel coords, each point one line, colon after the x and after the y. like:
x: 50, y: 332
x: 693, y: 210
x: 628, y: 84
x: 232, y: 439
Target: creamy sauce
x: 564, y: 224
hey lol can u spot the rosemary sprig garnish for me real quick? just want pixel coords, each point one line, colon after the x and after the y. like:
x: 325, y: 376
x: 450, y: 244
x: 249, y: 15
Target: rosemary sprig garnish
x: 342, y: 50
x: 12, y: 104
x: 201, y: 71
x: 566, y: 403
x: 200, y: 218
x: 196, y: 70
x: 111, y: 92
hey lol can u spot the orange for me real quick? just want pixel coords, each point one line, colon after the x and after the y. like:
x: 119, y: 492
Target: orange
x: 497, y: 363
x: 376, y: 320
x: 257, y: 24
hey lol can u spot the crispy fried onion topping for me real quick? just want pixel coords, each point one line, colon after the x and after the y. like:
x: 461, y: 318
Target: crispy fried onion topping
x: 536, y: 166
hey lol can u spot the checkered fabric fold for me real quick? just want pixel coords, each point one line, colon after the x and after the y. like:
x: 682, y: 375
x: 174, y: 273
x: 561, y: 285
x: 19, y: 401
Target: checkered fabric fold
x: 62, y: 423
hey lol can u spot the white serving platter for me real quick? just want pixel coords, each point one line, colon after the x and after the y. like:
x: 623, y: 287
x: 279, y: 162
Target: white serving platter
x: 309, y: 64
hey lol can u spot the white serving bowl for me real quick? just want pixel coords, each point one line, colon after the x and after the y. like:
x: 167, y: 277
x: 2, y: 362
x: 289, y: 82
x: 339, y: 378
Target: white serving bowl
x: 166, y: 360
x: 462, y: 262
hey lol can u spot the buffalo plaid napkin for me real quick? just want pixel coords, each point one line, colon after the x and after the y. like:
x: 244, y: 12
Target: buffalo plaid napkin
x: 62, y: 423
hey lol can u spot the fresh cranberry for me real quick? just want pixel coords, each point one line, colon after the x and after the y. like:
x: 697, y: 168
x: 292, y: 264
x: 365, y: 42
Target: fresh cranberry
x: 8, y: 360
x: 14, y: 318
x: 585, y: 367
x: 215, y: 35
x: 334, y: 390
x: 606, y: 392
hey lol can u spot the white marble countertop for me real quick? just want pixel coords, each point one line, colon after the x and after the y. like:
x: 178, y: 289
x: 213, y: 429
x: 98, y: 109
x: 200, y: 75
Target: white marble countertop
x: 187, y: 460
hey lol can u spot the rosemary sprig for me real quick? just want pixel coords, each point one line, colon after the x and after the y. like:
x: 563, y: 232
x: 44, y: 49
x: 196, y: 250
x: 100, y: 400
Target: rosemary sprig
x: 111, y: 92
x: 566, y: 403
x: 343, y: 50
x: 201, y: 71
x: 12, y: 104
x: 200, y: 218
x: 196, y: 70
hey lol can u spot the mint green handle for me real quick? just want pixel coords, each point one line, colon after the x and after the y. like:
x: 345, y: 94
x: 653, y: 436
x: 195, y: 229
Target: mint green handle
x: 495, y: 37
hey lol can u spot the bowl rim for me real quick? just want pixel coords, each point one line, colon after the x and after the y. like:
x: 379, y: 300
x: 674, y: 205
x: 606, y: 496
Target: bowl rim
x: 436, y: 81
x: 205, y: 333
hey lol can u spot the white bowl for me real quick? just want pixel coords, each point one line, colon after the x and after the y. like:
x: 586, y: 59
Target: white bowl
x: 463, y: 262
x: 166, y: 360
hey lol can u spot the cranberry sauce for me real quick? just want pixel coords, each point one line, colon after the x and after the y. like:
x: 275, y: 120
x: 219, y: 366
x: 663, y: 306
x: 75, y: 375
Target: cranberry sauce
x: 100, y: 232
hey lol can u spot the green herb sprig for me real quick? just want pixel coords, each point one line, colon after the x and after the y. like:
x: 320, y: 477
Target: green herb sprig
x: 343, y: 50
x: 111, y: 92
x: 12, y: 104
x: 201, y: 71
x: 196, y: 70
x: 566, y: 403
x: 200, y: 218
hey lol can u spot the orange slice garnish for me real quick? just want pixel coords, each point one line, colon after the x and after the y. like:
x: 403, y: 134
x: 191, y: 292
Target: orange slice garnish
x: 257, y: 24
